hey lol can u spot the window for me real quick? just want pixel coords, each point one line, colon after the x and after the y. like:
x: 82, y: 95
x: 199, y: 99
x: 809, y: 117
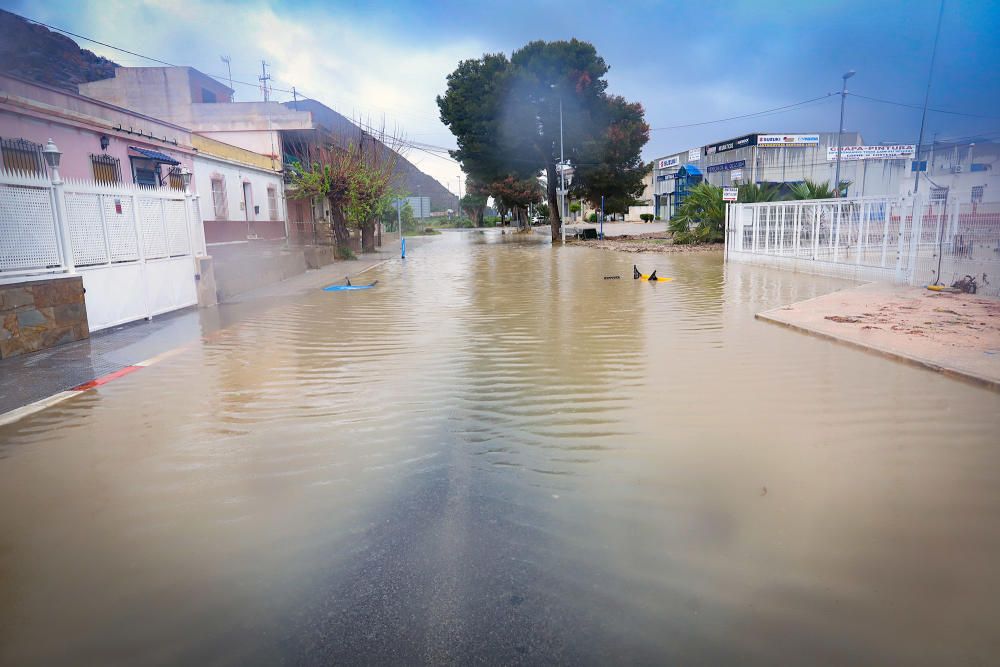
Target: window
x: 939, y: 194
x: 977, y: 194
x: 106, y: 169
x: 272, y: 202
x: 22, y: 155
x: 219, y: 202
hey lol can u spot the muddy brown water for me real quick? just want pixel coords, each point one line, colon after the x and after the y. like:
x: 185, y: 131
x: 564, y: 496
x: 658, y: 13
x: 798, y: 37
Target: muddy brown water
x: 499, y: 456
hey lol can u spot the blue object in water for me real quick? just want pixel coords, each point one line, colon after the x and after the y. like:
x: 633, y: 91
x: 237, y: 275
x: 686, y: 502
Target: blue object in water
x: 402, y: 244
x: 348, y: 287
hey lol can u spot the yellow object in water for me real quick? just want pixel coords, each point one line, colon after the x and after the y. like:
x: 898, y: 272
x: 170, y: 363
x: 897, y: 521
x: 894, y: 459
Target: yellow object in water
x: 942, y: 288
x: 650, y: 277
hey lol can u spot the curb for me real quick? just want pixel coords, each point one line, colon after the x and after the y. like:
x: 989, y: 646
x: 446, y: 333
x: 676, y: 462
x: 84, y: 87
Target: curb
x: 31, y: 408
x: 955, y: 373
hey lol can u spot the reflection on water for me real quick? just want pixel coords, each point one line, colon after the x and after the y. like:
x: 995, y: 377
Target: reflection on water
x: 499, y: 455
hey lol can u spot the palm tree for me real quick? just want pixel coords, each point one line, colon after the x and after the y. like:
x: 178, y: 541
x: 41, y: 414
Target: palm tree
x: 757, y: 192
x: 700, y: 217
x: 815, y: 190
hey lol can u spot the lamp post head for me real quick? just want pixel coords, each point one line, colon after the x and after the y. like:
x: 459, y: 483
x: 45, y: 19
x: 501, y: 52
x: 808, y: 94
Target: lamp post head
x: 848, y: 74
x: 186, y: 177
x: 52, y: 155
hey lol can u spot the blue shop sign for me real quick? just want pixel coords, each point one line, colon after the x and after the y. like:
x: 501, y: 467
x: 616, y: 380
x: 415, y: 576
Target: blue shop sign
x: 728, y: 166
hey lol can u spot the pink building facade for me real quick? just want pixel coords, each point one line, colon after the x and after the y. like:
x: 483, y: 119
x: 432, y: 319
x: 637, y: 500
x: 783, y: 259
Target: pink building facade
x: 99, y: 141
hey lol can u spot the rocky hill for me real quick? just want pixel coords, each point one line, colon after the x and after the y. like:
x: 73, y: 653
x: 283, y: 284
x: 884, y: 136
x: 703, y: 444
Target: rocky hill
x: 411, y: 179
x: 36, y: 53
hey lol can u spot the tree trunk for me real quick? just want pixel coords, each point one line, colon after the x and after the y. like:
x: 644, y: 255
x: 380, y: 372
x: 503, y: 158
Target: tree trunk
x: 480, y: 212
x: 340, y: 233
x: 553, y: 198
x: 368, y: 236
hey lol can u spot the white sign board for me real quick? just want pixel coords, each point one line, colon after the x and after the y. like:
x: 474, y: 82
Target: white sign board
x: 694, y: 154
x: 730, y: 193
x: 736, y: 175
x: 668, y: 162
x: 897, y: 152
x: 780, y: 140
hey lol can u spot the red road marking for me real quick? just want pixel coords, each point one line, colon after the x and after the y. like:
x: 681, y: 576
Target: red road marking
x: 106, y: 378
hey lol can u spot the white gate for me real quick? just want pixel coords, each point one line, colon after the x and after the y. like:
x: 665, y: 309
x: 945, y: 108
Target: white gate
x: 132, y: 246
x: 872, y: 238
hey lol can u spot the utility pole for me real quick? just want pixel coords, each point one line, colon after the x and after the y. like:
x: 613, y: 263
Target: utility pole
x: 927, y: 96
x: 264, y: 78
x: 229, y: 69
x: 840, y: 128
x: 295, y: 99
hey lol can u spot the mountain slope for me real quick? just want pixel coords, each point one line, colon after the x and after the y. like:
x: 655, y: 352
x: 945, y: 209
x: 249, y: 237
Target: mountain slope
x: 411, y: 179
x: 35, y: 53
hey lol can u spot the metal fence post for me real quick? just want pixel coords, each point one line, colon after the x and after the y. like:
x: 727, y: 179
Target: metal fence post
x: 815, y: 209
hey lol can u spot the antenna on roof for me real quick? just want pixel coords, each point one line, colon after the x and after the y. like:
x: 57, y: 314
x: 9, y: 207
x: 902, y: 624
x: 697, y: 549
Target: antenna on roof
x: 264, y: 78
x: 229, y: 68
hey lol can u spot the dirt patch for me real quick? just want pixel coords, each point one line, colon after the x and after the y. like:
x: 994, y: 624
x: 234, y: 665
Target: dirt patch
x: 650, y: 242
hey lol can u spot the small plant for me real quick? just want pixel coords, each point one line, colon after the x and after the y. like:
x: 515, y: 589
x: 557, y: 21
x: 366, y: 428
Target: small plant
x: 592, y: 218
x: 344, y: 252
x: 646, y: 217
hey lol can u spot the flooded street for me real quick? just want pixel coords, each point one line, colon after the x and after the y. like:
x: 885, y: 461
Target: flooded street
x: 498, y: 455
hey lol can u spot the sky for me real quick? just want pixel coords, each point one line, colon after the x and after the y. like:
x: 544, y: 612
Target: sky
x: 689, y: 64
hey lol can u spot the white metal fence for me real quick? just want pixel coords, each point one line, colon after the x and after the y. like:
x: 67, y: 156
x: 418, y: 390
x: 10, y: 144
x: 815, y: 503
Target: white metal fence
x: 902, y: 240
x: 133, y: 246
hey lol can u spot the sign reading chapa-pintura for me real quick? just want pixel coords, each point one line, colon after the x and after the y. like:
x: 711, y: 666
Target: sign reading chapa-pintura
x: 731, y: 145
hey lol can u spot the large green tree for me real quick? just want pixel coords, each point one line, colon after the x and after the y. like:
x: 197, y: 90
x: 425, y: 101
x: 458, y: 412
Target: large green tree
x: 506, y: 117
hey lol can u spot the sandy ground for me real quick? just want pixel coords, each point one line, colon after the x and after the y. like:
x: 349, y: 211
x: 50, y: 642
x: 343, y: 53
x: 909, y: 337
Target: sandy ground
x: 954, y: 333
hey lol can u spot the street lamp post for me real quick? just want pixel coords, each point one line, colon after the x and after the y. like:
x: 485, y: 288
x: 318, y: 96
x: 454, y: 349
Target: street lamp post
x: 562, y: 176
x: 53, y: 156
x: 840, y: 128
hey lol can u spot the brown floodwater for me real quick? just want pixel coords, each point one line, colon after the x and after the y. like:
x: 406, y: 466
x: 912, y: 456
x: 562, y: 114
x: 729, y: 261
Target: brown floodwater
x: 497, y: 455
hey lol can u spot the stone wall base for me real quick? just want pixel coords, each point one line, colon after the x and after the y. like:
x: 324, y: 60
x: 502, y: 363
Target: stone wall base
x: 38, y: 314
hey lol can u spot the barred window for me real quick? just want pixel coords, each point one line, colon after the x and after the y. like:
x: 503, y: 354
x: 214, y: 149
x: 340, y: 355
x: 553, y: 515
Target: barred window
x: 272, y: 202
x: 219, y: 201
x: 174, y: 179
x: 107, y: 169
x: 977, y: 194
x: 22, y: 155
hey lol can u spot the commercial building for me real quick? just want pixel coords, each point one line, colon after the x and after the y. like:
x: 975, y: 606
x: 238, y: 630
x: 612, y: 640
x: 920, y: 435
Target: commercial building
x: 781, y: 158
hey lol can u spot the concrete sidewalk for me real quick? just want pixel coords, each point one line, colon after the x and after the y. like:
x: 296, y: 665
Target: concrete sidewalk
x: 957, y: 334
x: 36, y: 376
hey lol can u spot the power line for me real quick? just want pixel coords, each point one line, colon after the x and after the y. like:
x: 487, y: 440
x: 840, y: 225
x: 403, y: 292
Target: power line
x: 919, y: 106
x: 747, y: 115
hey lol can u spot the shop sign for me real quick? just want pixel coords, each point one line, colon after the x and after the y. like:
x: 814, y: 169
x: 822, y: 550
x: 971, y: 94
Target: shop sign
x: 728, y: 166
x: 781, y: 140
x: 668, y: 162
x: 897, y: 152
x: 694, y: 154
x: 730, y: 193
x: 731, y: 145
x: 736, y: 175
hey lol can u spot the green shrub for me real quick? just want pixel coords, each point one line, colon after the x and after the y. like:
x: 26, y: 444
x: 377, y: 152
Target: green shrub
x: 646, y: 217
x: 592, y: 218
x: 343, y: 252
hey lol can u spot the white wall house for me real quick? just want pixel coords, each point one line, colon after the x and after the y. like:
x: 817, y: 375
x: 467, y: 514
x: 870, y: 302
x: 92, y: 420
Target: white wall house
x: 240, y: 200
